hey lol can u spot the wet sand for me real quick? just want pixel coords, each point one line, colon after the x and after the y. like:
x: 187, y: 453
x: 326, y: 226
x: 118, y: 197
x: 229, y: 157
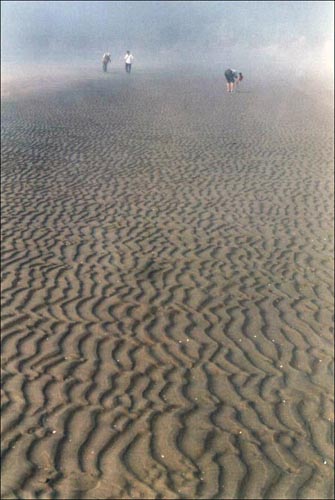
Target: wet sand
x: 167, y: 290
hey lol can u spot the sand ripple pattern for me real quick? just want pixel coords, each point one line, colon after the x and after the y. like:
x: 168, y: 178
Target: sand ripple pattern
x: 166, y: 292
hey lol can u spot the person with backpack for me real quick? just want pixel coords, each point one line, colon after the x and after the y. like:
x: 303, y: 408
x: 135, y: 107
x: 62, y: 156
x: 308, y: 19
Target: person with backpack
x: 106, y: 58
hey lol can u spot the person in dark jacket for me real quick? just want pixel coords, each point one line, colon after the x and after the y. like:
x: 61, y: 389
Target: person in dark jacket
x: 233, y: 78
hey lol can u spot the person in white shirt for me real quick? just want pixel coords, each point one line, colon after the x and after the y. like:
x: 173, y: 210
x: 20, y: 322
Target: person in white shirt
x: 128, y: 59
x: 106, y: 58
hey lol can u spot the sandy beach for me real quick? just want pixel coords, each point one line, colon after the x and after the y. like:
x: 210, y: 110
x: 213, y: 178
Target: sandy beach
x: 167, y: 289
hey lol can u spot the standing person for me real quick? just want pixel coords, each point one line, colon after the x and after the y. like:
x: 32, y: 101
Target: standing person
x: 106, y: 58
x: 128, y: 59
x: 233, y: 77
x: 239, y: 79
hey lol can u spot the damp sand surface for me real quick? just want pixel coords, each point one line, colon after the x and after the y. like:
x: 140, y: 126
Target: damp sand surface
x: 167, y: 289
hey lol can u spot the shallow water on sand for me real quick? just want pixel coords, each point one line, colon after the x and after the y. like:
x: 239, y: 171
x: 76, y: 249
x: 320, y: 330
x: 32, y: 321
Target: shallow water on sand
x: 167, y: 289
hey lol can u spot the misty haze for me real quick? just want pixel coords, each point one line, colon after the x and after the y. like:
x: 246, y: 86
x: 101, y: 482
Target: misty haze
x: 167, y: 250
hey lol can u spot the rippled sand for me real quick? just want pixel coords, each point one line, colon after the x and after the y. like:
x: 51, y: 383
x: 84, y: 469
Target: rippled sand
x: 167, y: 291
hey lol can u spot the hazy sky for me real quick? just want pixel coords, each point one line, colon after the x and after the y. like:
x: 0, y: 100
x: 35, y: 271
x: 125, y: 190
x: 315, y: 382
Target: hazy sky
x: 296, y: 36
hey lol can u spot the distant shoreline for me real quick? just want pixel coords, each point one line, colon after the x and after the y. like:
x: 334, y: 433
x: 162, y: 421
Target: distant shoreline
x: 26, y: 79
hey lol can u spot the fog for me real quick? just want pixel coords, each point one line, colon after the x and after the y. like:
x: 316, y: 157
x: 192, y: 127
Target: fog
x: 265, y: 38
